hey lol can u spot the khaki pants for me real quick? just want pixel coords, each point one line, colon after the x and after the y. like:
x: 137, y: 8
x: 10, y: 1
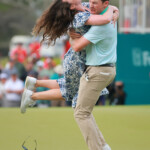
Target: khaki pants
x: 92, y: 82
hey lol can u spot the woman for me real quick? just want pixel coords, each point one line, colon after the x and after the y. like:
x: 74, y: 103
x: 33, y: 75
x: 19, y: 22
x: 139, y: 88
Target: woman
x: 54, y: 24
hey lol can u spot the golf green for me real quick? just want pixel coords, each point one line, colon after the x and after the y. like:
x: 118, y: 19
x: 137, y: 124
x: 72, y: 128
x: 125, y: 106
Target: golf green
x: 124, y: 128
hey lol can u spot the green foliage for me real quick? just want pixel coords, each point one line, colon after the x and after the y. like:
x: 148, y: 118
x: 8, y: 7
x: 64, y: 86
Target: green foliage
x: 4, y: 7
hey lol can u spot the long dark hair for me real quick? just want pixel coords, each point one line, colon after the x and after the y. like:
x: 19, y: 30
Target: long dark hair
x: 55, y: 21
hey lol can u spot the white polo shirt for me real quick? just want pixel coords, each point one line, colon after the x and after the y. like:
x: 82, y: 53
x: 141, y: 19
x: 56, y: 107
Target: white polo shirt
x: 14, y: 86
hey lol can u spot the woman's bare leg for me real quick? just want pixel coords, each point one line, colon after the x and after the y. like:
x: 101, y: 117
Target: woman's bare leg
x: 51, y: 84
x: 53, y: 94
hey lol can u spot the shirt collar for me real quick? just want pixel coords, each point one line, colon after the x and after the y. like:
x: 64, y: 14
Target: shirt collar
x: 104, y: 11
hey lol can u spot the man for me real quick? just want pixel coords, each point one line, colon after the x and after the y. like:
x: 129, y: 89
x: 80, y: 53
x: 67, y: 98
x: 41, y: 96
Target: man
x: 3, y: 79
x: 20, y: 52
x: 101, y: 44
x: 20, y: 68
x: 14, y: 88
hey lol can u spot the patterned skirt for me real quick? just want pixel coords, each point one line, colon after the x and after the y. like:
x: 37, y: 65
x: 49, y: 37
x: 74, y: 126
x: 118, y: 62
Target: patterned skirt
x: 74, y: 66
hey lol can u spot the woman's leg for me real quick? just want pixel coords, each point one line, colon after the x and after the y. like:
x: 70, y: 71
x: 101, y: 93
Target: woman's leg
x: 29, y: 97
x: 53, y: 94
x: 51, y: 84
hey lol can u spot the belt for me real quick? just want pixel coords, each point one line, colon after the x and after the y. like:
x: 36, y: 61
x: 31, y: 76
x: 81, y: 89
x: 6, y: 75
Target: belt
x: 103, y: 65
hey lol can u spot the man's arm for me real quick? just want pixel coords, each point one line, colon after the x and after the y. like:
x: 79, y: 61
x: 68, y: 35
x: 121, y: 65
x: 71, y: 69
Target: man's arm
x: 101, y: 19
x: 94, y: 35
x: 79, y: 44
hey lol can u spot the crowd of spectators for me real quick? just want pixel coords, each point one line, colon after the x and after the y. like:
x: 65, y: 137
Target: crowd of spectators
x: 21, y: 64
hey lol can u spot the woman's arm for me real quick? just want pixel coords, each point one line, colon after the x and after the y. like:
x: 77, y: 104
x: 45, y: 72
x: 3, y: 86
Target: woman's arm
x: 102, y: 19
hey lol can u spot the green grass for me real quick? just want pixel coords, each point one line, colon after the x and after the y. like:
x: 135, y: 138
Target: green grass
x: 124, y: 128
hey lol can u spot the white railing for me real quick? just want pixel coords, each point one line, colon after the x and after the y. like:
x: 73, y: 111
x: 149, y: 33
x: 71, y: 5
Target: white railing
x: 134, y: 16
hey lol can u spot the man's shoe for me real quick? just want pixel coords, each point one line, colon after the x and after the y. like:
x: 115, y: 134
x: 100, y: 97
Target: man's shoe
x: 30, y: 83
x: 26, y: 100
x: 106, y: 147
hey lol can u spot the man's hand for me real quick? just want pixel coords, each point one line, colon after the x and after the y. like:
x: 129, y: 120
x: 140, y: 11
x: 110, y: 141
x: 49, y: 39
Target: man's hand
x: 73, y: 34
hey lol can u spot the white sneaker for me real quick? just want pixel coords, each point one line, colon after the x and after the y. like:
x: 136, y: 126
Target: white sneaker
x: 30, y: 83
x: 106, y: 147
x: 104, y: 92
x: 26, y: 100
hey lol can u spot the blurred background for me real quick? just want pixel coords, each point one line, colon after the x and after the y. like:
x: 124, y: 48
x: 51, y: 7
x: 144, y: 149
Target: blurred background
x: 124, y: 127
x: 22, y: 55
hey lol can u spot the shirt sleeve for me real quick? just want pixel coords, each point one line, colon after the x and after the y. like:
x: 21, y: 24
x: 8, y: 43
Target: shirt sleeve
x: 81, y: 17
x: 6, y: 86
x: 86, y: 4
x: 95, y: 34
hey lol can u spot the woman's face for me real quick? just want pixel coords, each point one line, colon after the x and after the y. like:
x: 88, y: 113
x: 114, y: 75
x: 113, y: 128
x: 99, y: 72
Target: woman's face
x: 75, y: 4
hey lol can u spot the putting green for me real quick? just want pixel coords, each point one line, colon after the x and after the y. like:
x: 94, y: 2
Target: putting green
x: 124, y: 128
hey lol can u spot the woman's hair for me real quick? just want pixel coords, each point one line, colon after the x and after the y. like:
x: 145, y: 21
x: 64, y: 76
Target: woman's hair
x: 55, y: 21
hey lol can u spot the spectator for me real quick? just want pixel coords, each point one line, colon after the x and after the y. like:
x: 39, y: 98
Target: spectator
x: 120, y: 93
x: 14, y: 64
x: 34, y: 49
x: 112, y: 93
x: 20, y: 52
x: 39, y: 67
x: 45, y: 68
x: 58, y: 72
x: 3, y: 79
x: 117, y: 95
x: 9, y: 67
x: 29, y: 67
x: 22, y: 73
x: 14, y: 88
x: 66, y: 46
x: 49, y: 63
x: 33, y: 73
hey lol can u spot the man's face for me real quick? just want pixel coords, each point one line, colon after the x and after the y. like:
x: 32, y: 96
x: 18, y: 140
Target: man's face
x: 97, y: 6
x: 14, y: 77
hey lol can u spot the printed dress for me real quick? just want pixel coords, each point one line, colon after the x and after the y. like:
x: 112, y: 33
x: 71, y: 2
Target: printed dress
x: 74, y: 62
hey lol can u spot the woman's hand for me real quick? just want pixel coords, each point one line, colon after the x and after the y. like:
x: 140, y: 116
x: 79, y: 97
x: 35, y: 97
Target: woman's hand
x: 115, y: 15
x: 69, y: 1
